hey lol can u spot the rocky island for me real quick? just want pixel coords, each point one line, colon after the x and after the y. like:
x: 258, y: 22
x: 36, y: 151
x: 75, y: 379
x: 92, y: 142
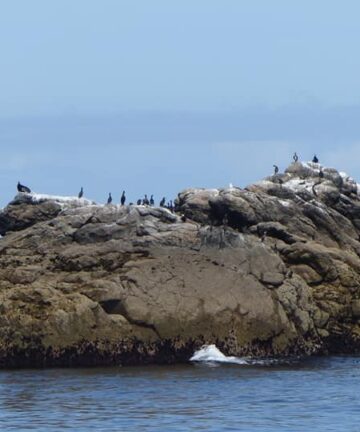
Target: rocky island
x: 269, y: 270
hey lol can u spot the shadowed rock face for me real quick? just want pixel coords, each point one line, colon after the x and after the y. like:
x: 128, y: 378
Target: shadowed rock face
x: 272, y: 269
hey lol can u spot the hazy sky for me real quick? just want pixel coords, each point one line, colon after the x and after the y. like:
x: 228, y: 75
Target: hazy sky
x: 154, y: 96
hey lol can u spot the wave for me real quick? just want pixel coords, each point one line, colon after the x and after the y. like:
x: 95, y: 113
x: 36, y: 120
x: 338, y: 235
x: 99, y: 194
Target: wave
x: 209, y: 353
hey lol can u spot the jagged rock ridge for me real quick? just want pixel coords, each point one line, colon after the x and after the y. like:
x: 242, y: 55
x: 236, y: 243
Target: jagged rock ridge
x: 272, y: 269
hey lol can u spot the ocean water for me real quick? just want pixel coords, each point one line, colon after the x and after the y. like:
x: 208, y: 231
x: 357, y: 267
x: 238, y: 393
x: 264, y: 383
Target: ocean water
x: 211, y: 393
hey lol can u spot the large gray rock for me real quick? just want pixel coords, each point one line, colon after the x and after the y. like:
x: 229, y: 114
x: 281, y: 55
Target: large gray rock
x: 272, y: 269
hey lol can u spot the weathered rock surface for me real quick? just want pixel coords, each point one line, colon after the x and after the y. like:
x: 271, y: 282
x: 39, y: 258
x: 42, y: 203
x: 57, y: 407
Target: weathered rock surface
x: 273, y: 269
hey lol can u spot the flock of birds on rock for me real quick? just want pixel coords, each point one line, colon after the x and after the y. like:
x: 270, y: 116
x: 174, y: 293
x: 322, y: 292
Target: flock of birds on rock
x: 151, y: 202
x: 144, y: 201
x: 315, y: 160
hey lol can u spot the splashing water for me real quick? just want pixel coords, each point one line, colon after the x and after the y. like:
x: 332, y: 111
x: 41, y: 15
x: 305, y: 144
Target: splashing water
x: 209, y: 353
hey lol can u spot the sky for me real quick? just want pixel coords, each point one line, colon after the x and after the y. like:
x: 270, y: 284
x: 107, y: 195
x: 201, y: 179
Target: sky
x: 157, y: 96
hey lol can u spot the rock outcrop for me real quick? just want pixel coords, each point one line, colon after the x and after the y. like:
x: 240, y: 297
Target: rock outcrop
x: 269, y: 270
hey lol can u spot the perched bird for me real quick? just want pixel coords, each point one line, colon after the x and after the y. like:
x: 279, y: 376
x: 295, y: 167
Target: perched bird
x: 22, y: 188
x: 321, y: 173
x: 138, y: 202
x: 152, y: 202
x: 146, y: 200
x: 171, y: 206
x: 109, y: 201
x: 81, y: 193
x: 315, y: 159
x: 123, y: 198
x: 276, y: 169
x: 295, y: 157
x: 162, y: 202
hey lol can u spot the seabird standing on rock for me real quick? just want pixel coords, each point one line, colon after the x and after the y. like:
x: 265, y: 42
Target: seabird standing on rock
x: 315, y: 159
x: 171, y: 206
x: 145, y: 200
x: 162, y: 202
x: 123, y: 198
x: 276, y: 169
x: 138, y: 202
x: 81, y: 193
x: 22, y: 188
x: 152, y: 202
x: 295, y: 157
x: 321, y: 173
x: 109, y: 201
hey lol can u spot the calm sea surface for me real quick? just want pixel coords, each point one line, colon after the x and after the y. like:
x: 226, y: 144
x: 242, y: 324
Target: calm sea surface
x: 320, y: 394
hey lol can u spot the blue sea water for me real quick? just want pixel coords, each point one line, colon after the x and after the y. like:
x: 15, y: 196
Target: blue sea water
x: 317, y: 394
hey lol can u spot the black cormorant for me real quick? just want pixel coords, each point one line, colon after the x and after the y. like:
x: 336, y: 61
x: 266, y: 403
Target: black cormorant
x: 315, y: 159
x: 145, y: 200
x: 295, y: 157
x: 22, y: 188
x: 81, y: 193
x: 276, y: 169
x: 123, y: 198
x: 109, y: 201
x: 138, y: 202
x: 321, y: 173
x: 152, y: 202
x: 162, y: 202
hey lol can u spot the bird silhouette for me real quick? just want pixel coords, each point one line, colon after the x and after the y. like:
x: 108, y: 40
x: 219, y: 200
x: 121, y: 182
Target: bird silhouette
x: 315, y: 159
x: 81, y: 193
x: 109, y: 200
x: 23, y: 188
x: 123, y: 198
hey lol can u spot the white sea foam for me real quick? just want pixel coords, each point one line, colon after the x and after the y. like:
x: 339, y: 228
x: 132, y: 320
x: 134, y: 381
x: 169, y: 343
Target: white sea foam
x: 209, y: 353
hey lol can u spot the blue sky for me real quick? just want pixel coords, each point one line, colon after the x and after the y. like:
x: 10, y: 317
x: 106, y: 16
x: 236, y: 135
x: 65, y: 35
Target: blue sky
x: 155, y: 96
